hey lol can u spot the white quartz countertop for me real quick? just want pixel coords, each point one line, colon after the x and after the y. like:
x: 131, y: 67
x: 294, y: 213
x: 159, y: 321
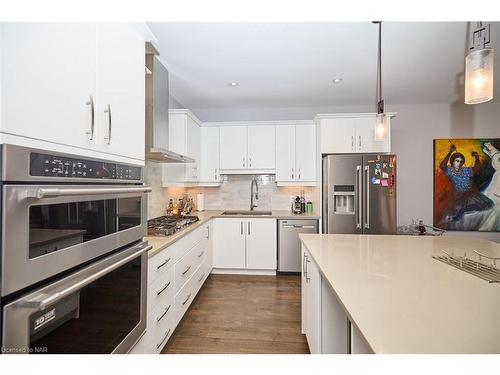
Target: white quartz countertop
x: 160, y: 242
x: 404, y: 301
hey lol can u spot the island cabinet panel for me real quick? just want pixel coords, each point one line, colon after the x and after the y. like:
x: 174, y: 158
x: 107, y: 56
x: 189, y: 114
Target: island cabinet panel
x: 324, y: 321
x: 357, y: 343
x: 311, y: 302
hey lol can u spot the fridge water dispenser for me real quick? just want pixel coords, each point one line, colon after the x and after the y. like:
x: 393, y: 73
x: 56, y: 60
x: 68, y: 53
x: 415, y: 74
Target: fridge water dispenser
x: 343, y: 199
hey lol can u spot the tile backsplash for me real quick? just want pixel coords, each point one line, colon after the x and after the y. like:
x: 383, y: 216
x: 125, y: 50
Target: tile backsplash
x: 233, y: 194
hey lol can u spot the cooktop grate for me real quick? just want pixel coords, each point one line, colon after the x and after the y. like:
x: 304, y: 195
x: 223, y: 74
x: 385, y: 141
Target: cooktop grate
x: 489, y: 273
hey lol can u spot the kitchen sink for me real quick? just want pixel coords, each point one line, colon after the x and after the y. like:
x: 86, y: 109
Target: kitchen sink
x: 249, y: 213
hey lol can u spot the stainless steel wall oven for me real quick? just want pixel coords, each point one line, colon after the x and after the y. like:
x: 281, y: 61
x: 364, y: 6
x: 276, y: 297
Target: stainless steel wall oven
x: 73, y: 262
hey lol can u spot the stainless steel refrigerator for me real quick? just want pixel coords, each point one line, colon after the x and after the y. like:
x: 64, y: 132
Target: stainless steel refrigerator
x: 359, y: 194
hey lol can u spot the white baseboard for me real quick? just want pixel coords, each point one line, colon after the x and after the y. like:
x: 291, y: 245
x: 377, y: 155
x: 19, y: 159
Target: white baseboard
x: 237, y: 271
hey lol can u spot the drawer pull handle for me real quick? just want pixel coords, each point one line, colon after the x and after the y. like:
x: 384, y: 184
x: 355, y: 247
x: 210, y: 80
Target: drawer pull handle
x: 164, y: 288
x: 162, y: 315
x: 162, y: 341
x: 187, y: 299
x: 164, y: 263
x: 201, y: 254
x: 187, y: 269
x: 201, y: 278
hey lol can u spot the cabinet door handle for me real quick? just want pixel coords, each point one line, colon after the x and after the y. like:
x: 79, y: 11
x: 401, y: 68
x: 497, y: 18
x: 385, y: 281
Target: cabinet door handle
x: 215, y: 174
x: 163, y: 289
x: 299, y: 173
x: 359, y: 141
x: 248, y: 224
x: 241, y: 227
x: 164, y: 263
x: 187, y: 269
x: 187, y: 299
x: 292, y: 173
x: 162, y: 315
x: 367, y: 209
x: 243, y: 162
x: 90, y: 102
x: 201, y: 278
x: 162, y: 341
x: 208, y: 232
x: 250, y: 162
x: 108, y: 111
x: 201, y: 254
x: 352, y: 143
x: 307, y: 270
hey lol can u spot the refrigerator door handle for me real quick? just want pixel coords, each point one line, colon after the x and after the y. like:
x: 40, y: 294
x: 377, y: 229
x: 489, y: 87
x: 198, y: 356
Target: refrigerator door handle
x: 360, y: 199
x: 367, y: 202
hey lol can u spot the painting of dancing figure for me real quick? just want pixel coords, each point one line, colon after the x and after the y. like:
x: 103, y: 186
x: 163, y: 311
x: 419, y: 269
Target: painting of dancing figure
x: 467, y: 184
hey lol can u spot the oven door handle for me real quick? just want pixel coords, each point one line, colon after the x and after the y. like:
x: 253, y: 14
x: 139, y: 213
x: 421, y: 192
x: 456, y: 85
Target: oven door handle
x: 83, y: 278
x: 40, y: 193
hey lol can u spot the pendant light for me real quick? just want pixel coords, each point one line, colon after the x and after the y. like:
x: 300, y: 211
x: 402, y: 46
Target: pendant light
x: 381, y: 125
x: 479, y: 66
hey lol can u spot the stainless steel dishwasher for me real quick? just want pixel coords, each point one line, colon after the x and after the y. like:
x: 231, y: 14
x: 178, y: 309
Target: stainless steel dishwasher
x: 289, y: 243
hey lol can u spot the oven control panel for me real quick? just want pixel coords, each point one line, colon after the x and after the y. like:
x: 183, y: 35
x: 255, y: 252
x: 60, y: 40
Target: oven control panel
x: 60, y: 166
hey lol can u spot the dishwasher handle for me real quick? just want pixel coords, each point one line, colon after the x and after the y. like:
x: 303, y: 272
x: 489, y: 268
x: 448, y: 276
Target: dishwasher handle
x: 298, y: 226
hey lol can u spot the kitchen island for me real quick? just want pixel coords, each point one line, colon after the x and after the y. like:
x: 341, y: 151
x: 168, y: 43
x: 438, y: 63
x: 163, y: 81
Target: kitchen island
x: 398, y: 299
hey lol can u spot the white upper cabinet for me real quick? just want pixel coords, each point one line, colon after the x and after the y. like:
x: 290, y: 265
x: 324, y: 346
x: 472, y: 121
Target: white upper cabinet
x: 296, y: 154
x: 305, y: 153
x: 48, y: 81
x: 285, y: 153
x: 192, y: 149
x: 245, y: 149
x: 233, y: 147
x: 261, y: 147
x: 79, y: 84
x: 120, y: 111
x: 183, y: 138
x: 209, y: 168
x: 351, y: 134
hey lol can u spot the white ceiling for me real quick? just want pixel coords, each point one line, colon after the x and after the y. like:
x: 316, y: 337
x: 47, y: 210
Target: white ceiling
x: 290, y: 65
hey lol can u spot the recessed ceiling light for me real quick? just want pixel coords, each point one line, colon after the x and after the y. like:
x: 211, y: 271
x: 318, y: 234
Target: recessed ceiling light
x: 233, y: 84
x: 337, y: 80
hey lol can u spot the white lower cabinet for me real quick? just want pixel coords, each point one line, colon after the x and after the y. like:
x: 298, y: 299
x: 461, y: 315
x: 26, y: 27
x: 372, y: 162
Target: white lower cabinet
x: 245, y: 244
x: 324, y: 322
x: 175, y: 275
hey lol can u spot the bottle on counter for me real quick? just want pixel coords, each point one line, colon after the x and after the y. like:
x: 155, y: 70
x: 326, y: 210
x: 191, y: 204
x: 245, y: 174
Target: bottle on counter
x: 309, y: 207
x: 302, y: 202
x: 170, y: 207
x: 175, y: 210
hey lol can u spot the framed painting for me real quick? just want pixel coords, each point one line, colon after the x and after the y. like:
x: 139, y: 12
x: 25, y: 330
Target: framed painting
x: 467, y: 184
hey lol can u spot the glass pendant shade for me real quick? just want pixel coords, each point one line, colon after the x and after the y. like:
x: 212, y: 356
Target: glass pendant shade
x: 381, y: 127
x: 479, y: 76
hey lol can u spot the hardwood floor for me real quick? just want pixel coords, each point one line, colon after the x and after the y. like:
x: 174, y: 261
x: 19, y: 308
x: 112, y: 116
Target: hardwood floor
x: 242, y: 314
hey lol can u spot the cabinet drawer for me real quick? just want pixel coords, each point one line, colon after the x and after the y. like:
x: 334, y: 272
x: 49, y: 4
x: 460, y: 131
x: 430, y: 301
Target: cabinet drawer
x: 159, y: 314
x: 161, y: 290
x: 160, y: 263
x: 185, y: 267
x: 187, y: 243
x: 157, y: 337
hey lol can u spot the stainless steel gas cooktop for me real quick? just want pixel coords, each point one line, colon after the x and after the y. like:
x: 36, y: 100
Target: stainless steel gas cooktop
x: 168, y: 225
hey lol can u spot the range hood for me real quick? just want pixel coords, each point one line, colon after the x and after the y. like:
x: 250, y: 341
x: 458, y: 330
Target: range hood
x: 157, y: 96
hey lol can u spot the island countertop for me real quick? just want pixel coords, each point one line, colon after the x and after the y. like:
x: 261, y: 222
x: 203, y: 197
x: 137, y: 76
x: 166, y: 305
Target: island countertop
x: 404, y: 301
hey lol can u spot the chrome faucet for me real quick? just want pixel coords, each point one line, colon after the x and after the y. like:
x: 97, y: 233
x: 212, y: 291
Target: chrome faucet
x: 252, y: 205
